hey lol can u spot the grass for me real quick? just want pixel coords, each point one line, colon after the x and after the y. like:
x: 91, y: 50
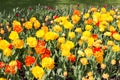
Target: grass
x: 8, y: 5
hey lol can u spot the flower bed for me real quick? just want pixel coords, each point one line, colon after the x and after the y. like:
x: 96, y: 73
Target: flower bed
x: 60, y: 44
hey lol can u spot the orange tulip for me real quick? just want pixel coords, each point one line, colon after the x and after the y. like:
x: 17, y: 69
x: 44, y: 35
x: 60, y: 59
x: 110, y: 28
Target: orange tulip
x: 29, y: 60
x: 76, y: 12
x: 40, y: 49
x: 72, y: 58
x: 10, y: 69
x: 41, y: 43
x: 2, y: 64
x: 89, y: 21
x: 45, y: 28
x: 18, y: 29
x: 46, y: 53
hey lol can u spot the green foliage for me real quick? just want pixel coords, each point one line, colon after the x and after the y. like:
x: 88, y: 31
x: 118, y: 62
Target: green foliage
x: 8, y: 5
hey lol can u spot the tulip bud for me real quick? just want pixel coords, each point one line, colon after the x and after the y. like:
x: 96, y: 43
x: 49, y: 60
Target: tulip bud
x: 65, y: 73
x: 105, y: 76
x: 113, y: 62
x: 103, y: 66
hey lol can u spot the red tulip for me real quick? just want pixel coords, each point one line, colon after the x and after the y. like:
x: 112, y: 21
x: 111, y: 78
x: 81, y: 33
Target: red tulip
x: 19, y: 64
x: 72, y: 58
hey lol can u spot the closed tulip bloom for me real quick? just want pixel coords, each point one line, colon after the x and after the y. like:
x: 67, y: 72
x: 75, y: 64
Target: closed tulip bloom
x: 31, y: 41
x: 48, y: 63
x: 113, y: 61
x: 71, y: 35
x: 32, y: 19
x: 7, y: 52
x: 115, y: 48
x: 38, y: 72
x: 84, y: 61
x: 103, y: 66
x: 13, y: 35
x: 40, y: 33
x: 29, y: 60
x: 28, y: 25
x: 105, y: 75
x: 3, y: 79
x: 36, y: 24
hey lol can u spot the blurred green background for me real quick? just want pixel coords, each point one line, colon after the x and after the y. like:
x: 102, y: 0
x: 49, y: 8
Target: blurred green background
x: 8, y: 5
